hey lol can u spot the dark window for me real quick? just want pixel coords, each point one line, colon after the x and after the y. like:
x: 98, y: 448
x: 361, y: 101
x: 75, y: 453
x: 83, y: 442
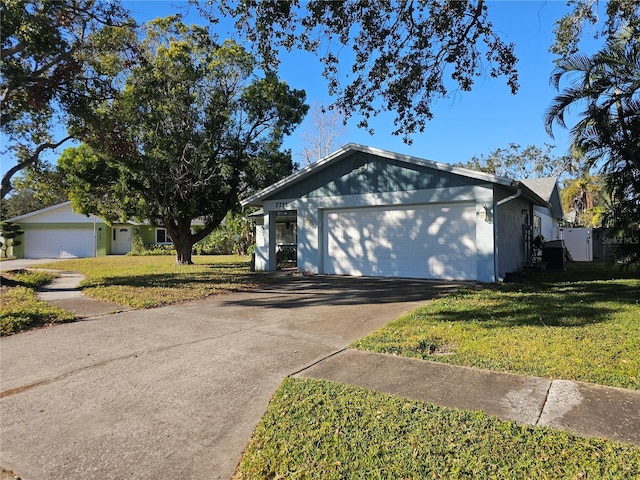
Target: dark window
x: 161, y: 235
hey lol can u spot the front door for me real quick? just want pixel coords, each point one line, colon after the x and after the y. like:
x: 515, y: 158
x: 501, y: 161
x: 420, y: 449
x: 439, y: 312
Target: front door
x: 121, y: 240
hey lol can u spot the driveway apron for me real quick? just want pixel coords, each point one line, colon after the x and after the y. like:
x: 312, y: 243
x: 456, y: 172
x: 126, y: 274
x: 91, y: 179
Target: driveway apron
x: 176, y: 392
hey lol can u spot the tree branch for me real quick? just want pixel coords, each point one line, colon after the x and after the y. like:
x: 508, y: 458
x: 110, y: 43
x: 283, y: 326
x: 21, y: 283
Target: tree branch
x: 31, y: 160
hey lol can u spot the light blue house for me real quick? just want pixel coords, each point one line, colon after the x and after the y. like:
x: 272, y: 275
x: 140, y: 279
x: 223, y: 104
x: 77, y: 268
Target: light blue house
x: 368, y: 212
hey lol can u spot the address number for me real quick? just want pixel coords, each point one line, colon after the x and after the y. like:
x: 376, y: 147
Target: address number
x: 282, y: 204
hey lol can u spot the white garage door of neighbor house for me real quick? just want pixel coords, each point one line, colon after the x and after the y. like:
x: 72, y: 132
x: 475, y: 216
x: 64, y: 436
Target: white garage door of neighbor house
x: 51, y: 243
x: 425, y: 241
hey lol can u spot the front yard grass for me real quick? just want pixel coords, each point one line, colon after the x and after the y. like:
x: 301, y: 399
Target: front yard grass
x: 319, y: 429
x: 582, y: 324
x: 137, y: 282
x: 20, y: 308
x: 153, y: 281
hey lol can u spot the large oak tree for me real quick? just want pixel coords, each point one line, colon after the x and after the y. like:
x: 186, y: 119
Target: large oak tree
x: 194, y: 128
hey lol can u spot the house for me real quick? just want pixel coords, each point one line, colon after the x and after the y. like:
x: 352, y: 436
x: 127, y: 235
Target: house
x: 59, y: 232
x: 369, y: 212
x: 545, y: 218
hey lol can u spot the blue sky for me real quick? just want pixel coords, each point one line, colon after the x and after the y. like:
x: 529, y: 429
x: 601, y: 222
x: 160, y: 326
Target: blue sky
x: 464, y: 125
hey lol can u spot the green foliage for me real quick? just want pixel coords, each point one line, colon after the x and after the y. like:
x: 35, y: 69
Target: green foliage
x: 585, y: 200
x: 604, y: 19
x: 20, y: 308
x: 607, y: 85
x: 319, y: 429
x: 9, y: 231
x: 137, y: 245
x: 36, y: 187
x: 47, y: 72
x: 404, y: 55
x: 152, y: 250
x: 234, y: 236
x: 107, y: 195
x: 522, y: 163
x: 193, y: 129
x: 580, y: 325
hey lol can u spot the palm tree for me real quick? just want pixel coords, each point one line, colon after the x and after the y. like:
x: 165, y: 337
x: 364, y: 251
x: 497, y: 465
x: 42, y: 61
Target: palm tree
x: 607, y: 85
x: 584, y: 197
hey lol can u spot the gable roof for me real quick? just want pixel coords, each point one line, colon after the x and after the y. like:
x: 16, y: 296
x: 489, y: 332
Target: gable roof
x: 547, y: 189
x: 90, y: 217
x: 41, y: 211
x: 258, y: 198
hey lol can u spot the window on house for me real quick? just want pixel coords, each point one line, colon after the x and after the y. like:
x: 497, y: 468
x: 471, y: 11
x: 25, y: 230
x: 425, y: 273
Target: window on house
x: 161, y: 236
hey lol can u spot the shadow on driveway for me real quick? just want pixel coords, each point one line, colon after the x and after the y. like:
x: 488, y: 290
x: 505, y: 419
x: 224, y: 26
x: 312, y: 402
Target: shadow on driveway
x: 289, y: 290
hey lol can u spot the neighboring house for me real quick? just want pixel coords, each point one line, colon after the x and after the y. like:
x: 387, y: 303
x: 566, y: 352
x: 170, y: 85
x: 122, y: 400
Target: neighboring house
x: 59, y: 232
x: 368, y: 212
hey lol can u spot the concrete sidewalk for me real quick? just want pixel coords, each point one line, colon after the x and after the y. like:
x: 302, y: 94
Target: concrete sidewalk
x: 587, y: 410
x: 64, y: 292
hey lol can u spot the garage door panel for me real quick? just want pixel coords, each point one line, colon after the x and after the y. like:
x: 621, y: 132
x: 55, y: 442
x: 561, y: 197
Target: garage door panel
x: 58, y: 243
x: 427, y: 241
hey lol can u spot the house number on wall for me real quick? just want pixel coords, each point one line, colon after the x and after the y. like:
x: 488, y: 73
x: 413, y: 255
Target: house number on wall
x: 282, y: 204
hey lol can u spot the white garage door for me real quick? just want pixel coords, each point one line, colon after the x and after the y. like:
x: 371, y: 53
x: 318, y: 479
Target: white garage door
x: 426, y: 241
x: 52, y: 243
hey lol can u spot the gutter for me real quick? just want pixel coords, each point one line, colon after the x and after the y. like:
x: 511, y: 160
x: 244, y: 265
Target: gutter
x: 508, y: 199
x: 495, y: 234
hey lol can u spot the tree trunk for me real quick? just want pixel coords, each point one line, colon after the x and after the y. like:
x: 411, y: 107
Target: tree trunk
x: 183, y: 253
x: 180, y: 233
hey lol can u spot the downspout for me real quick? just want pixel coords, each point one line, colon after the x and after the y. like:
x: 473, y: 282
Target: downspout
x: 495, y: 227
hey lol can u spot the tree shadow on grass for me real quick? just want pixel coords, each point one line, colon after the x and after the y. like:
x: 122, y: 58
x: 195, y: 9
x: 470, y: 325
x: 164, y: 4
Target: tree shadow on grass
x: 564, y: 305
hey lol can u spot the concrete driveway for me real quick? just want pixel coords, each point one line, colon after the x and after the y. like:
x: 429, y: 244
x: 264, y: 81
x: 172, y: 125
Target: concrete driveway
x: 176, y: 392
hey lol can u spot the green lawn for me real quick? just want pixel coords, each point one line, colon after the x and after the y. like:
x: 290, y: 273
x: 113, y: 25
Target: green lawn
x: 137, y: 282
x: 20, y: 308
x: 581, y: 324
x: 153, y: 281
x: 565, y: 325
x: 324, y: 430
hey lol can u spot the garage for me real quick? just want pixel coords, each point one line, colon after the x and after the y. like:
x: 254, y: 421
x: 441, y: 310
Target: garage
x: 363, y: 211
x: 425, y: 241
x: 59, y: 243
